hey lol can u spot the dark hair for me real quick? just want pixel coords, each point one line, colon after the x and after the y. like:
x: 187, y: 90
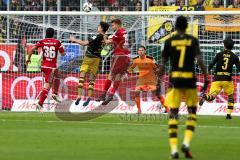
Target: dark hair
x: 228, y: 43
x: 117, y: 21
x: 49, y: 32
x: 142, y: 47
x: 104, y: 26
x: 181, y: 23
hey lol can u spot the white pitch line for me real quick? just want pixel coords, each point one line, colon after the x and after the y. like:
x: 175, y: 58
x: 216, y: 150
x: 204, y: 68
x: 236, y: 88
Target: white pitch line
x: 119, y: 123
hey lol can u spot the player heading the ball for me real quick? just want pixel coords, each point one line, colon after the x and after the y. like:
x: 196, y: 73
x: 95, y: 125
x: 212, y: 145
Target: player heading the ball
x: 50, y: 48
x: 91, y: 60
x: 120, y: 61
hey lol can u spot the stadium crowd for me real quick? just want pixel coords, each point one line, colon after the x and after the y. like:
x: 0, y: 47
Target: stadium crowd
x: 108, y: 5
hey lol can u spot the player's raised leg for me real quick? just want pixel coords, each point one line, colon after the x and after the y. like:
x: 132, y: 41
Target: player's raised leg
x: 43, y: 95
x: 215, y: 89
x: 92, y: 76
x: 107, y: 85
x: 113, y: 88
x: 90, y: 91
x: 120, y: 60
x: 48, y: 78
x: 119, y: 68
x: 55, y: 86
x: 80, y: 86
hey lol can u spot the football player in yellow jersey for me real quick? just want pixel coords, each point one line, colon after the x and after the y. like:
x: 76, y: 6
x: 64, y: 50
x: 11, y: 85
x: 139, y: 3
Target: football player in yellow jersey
x: 224, y: 62
x: 182, y: 49
x: 147, y: 79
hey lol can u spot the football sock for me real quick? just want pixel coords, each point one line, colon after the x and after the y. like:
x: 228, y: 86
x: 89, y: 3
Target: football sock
x: 209, y: 97
x: 230, y: 105
x: 80, y: 86
x: 107, y: 85
x: 91, y: 88
x: 56, y: 84
x: 43, y: 96
x: 172, y: 130
x: 114, y: 87
x: 138, y: 102
x: 190, y: 126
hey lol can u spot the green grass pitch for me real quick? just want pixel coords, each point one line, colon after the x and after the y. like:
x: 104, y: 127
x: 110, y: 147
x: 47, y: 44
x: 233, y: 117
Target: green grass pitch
x: 36, y: 136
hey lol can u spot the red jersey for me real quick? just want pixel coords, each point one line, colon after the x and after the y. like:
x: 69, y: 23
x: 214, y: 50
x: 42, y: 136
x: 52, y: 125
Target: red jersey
x: 50, y: 48
x: 120, y: 42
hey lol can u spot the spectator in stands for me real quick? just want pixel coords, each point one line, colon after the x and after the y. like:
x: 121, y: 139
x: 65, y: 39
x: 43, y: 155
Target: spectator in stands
x: 124, y: 8
x: 199, y: 5
x: 217, y: 4
x: 116, y: 6
x: 170, y: 2
x: 162, y: 3
x: 138, y: 6
x: 51, y: 5
x: 111, y: 2
x: 15, y: 5
x: 180, y: 3
x: 27, y: 8
x: 155, y: 3
x: 236, y: 4
x: 158, y: 3
x: 106, y: 18
x: 67, y: 8
x: 97, y: 4
x: 3, y: 5
x: 106, y: 9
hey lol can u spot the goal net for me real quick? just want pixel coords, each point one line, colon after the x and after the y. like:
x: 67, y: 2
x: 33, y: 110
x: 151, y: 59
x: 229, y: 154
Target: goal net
x: 21, y: 83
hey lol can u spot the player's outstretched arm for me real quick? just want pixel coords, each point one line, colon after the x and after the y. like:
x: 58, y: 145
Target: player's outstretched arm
x: 82, y: 43
x: 61, y: 50
x: 30, y: 52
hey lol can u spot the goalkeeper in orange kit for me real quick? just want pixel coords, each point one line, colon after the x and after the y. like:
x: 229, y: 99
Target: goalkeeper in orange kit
x: 147, y: 79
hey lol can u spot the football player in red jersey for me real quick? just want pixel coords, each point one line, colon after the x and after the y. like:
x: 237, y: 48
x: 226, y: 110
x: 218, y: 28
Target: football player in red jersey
x: 120, y: 61
x: 50, y: 48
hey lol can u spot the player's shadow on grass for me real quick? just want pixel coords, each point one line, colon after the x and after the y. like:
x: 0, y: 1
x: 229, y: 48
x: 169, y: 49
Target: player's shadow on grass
x: 62, y: 111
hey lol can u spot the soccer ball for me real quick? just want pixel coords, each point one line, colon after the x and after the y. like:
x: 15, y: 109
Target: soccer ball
x: 87, y: 7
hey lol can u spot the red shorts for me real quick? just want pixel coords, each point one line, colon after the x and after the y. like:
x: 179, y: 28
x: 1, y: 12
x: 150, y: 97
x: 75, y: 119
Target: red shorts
x: 120, y: 64
x: 49, y: 74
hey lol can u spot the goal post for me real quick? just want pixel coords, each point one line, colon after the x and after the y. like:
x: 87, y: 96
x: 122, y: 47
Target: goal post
x: 23, y: 29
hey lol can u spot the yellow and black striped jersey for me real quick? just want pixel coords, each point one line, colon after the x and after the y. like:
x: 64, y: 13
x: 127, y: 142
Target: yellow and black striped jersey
x: 182, y: 49
x: 224, y: 61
